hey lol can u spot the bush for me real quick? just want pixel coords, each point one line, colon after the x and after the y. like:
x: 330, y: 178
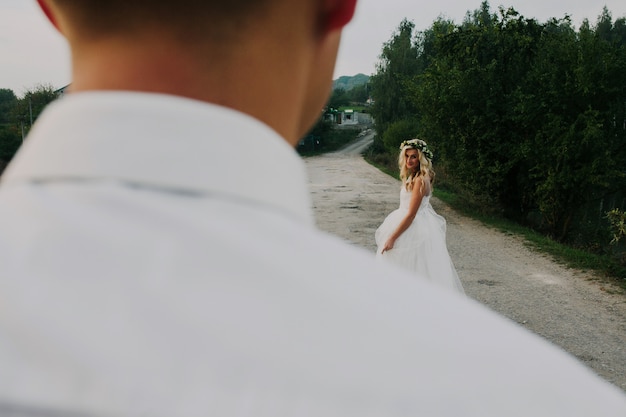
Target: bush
x: 397, y: 132
x: 617, y: 225
x: 10, y: 141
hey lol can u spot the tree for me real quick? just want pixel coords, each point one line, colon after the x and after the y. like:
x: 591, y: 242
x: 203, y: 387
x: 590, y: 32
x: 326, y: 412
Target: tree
x: 20, y: 114
x: 338, y: 98
x: 10, y: 138
x: 468, y: 100
x: 390, y: 84
x: 10, y: 141
x: 30, y: 106
x: 359, y: 94
x: 8, y: 100
x: 397, y: 132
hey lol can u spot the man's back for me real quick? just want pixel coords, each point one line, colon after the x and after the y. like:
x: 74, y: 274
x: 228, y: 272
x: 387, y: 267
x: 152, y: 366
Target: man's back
x: 125, y: 295
x: 157, y: 253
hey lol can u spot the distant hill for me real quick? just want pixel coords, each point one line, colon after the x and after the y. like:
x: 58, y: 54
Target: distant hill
x: 349, y: 82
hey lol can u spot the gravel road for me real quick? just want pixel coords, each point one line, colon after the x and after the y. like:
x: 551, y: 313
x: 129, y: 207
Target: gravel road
x: 573, y: 309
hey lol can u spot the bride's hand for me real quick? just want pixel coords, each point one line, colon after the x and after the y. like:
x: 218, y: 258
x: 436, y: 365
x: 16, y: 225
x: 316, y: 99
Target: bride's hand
x: 388, y: 245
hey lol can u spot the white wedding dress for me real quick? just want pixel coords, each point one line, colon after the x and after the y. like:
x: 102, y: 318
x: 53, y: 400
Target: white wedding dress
x: 422, y: 246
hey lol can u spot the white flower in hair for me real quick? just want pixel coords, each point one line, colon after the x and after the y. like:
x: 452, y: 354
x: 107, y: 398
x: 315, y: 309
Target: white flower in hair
x: 418, y: 144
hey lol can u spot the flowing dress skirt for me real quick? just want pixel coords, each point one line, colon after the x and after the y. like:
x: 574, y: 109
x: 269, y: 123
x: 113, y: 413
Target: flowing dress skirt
x: 422, y: 247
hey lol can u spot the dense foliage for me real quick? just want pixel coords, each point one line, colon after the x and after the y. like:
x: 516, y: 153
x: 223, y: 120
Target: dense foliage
x: 526, y: 118
x: 17, y: 116
x: 341, y: 97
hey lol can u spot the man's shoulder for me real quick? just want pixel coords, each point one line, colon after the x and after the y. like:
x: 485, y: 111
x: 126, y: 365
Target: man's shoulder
x: 304, y: 310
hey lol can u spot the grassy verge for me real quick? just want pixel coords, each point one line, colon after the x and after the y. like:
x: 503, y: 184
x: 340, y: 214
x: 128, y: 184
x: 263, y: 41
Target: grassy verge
x: 383, y: 167
x: 606, y: 266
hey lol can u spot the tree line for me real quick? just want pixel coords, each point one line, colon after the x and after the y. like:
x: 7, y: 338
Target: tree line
x: 526, y: 119
x: 341, y: 97
x: 17, y: 116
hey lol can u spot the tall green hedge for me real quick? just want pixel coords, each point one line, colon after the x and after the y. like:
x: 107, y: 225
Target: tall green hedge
x: 526, y: 118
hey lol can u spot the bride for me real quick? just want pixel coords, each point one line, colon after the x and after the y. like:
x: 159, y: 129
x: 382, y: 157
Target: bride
x: 414, y: 236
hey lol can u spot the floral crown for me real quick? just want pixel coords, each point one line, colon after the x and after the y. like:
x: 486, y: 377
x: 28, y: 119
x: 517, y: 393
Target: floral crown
x: 418, y: 144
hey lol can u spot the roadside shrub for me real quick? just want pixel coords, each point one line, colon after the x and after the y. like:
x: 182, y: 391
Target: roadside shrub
x: 397, y: 132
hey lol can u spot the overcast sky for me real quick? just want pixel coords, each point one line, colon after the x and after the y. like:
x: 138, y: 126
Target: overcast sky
x: 32, y: 52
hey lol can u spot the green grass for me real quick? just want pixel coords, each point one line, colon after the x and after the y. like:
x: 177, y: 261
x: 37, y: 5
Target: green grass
x: 606, y: 266
x: 383, y: 167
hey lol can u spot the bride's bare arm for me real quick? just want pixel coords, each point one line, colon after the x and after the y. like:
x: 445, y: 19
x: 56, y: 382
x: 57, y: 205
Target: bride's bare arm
x: 416, y: 199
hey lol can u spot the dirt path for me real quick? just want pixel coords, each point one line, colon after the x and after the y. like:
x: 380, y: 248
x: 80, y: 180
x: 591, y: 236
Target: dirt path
x: 571, y: 308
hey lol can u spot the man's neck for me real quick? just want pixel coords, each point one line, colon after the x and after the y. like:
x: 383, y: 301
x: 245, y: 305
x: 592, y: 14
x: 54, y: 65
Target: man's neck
x: 267, y: 84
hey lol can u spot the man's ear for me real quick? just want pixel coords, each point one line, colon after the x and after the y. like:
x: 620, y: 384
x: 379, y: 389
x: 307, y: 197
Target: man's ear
x: 47, y: 10
x: 338, y: 13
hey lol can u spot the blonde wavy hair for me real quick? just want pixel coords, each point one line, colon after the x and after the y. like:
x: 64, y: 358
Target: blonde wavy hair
x: 425, y: 167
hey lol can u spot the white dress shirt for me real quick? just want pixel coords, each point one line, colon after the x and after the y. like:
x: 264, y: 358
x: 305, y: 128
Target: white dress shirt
x: 158, y: 258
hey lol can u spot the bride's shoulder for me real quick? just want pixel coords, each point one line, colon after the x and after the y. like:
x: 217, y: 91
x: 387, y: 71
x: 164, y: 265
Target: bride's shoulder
x: 423, y: 182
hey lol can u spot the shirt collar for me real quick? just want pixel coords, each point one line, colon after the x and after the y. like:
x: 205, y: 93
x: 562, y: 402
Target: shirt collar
x: 166, y: 142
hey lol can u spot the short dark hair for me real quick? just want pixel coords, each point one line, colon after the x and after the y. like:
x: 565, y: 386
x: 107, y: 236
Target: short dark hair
x: 216, y: 18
